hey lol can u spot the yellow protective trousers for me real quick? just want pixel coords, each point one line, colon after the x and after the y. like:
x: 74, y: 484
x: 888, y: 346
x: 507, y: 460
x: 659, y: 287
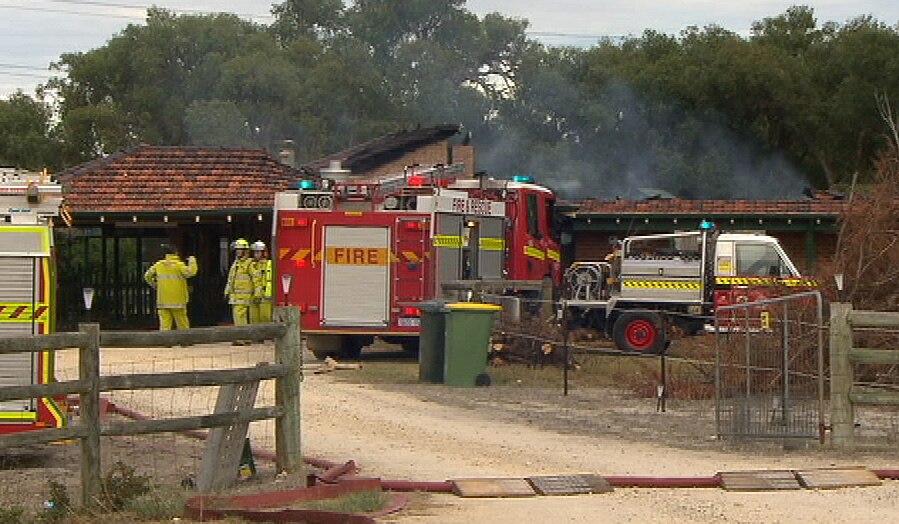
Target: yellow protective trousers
x: 168, y: 315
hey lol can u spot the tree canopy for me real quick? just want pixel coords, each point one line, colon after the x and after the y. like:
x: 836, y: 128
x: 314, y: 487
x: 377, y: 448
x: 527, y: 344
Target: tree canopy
x: 706, y: 113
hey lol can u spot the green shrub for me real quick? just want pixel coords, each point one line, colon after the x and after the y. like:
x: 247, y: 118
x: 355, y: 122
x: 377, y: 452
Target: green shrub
x: 59, y: 505
x: 122, y: 485
x: 11, y: 515
x: 158, y: 504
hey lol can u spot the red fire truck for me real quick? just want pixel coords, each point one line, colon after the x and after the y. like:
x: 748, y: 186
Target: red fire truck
x: 28, y: 203
x: 357, y: 255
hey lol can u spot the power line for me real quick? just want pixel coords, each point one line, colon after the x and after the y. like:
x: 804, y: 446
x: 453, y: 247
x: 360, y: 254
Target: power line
x: 65, y: 12
x: 142, y: 7
x: 146, y: 7
x: 20, y: 66
x: 29, y: 75
x: 555, y: 34
x: 93, y: 3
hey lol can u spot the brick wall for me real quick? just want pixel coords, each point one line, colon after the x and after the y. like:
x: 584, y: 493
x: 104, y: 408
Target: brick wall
x: 465, y: 155
x: 794, y: 244
x: 437, y: 153
x: 591, y: 246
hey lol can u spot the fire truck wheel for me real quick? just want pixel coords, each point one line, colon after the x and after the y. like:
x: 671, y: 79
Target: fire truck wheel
x: 323, y: 346
x: 352, y: 346
x: 410, y: 345
x: 321, y: 355
x: 639, y: 332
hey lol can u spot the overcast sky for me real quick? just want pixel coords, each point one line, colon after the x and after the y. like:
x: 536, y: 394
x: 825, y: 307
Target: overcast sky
x: 34, y: 33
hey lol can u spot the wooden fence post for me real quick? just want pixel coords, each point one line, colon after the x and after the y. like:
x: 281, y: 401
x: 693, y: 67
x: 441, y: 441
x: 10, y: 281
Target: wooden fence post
x: 89, y: 415
x: 842, y: 416
x: 288, y: 456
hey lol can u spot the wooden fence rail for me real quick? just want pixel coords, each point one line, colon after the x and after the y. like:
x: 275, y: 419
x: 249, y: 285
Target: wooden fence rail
x: 844, y: 393
x: 286, y: 371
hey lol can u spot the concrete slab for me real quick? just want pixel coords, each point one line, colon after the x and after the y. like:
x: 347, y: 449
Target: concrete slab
x: 569, y: 484
x: 492, y: 487
x: 832, y: 478
x: 763, y: 480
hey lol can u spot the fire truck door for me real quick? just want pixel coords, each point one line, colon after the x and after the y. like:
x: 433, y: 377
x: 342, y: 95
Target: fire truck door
x: 410, y: 246
x: 356, y: 276
x: 448, y: 249
x: 21, y: 314
x: 491, y: 247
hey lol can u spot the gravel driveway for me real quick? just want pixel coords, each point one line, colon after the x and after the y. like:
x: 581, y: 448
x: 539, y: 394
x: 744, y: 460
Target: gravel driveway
x: 426, y: 432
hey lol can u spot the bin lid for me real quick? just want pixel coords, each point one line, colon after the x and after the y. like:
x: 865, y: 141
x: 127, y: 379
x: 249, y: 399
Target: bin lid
x: 473, y: 306
x: 431, y: 306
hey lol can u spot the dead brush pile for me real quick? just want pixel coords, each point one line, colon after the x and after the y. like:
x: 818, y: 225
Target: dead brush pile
x: 867, y: 252
x: 533, y: 341
x: 867, y: 256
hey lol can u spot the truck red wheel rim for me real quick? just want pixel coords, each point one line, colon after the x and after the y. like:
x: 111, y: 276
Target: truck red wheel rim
x: 641, y: 334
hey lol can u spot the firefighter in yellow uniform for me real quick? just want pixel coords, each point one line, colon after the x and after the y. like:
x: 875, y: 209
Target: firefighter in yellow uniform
x: 169, y: 277
x: 239, y: 288
x: 261, y: 309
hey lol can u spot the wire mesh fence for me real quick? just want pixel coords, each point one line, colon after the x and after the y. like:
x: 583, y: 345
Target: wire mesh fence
x: 770, y: 379
x: 734, y: 381
x: 759, y: 372
x: 32, y: 474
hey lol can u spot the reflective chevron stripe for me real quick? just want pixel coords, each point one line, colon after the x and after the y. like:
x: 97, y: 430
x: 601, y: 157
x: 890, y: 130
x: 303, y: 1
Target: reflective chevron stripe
x: 659, y: 284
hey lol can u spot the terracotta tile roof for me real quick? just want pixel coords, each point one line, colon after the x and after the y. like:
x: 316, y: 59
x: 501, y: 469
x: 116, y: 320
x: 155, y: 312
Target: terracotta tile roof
x: 382, y: 150
x: 677, y: 206
x: 175, y: 178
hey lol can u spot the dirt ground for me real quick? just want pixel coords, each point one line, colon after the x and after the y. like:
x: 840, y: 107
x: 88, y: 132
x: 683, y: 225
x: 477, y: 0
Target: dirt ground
x: 426, y: 432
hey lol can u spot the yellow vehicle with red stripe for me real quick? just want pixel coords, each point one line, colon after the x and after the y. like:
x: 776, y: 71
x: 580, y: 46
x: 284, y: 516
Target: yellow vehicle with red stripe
x: 28, y: 204
x: 654, y: 282
x: 356, y: 255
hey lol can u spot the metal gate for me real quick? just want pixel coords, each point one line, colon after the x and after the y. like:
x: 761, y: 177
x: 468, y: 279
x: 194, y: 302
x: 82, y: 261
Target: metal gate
x: 769, y: 361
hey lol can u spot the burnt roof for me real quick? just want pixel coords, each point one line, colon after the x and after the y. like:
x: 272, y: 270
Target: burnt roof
x: 677, y: 206
x: 382, y: 150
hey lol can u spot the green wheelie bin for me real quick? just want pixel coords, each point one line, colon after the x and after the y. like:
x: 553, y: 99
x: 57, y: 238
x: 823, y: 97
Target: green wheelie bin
x: 466, y: 343
x: 431, y: 346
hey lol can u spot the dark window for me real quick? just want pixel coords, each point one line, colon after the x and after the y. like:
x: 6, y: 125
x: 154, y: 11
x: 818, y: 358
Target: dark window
x: 533, y: 215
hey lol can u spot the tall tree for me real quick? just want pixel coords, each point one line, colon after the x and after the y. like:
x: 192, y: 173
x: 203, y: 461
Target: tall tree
x: 307, y: 18
x: 138, y: 86
x: 25, y: 134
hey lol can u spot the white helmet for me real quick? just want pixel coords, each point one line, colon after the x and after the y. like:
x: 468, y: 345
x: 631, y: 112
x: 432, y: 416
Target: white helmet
x: 258, y: 246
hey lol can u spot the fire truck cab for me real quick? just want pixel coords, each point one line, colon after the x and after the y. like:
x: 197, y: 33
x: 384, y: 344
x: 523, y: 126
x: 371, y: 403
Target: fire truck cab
x: 357, y: 256
x: 28, y: 203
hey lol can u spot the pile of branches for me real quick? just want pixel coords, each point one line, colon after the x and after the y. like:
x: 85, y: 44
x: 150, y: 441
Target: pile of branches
x: 534, y: 341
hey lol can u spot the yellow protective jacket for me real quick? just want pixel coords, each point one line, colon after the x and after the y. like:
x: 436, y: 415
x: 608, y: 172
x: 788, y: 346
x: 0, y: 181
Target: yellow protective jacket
x: 262, y: 279
x: 239, y: 288
x: 169, y: 277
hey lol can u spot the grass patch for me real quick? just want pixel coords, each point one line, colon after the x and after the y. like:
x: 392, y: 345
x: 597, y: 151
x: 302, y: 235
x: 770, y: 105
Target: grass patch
x: 358, y: 502
x: 382, y: 373
x: 160, y: 504
x: 11, y: 515
x: 692, y: 378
